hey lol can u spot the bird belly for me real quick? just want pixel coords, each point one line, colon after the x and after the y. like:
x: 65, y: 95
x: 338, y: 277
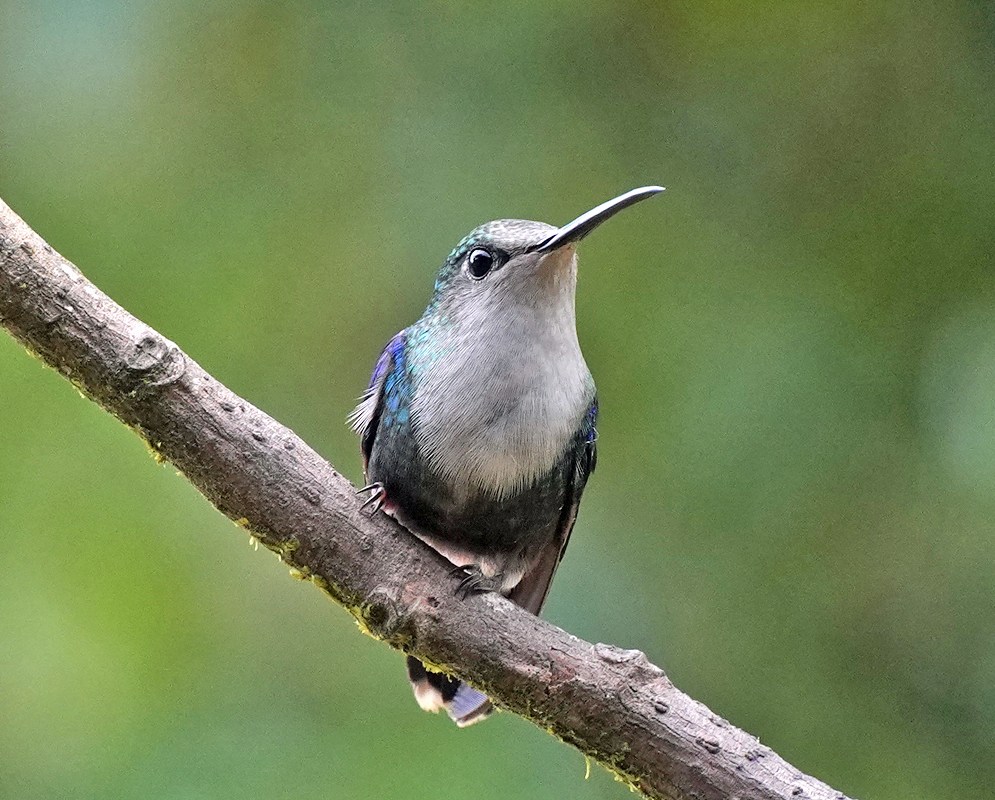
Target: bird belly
x: 502, y: 535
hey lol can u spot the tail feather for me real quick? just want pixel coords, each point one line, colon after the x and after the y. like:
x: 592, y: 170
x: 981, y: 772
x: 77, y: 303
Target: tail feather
x: 435, y: 691
x: 469, y: 706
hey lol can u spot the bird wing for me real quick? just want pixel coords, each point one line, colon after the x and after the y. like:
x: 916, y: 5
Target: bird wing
x: 365, y: 418
x: 530, y: 592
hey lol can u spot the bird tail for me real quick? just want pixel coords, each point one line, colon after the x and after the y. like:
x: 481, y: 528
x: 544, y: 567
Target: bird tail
x: 434, y: 691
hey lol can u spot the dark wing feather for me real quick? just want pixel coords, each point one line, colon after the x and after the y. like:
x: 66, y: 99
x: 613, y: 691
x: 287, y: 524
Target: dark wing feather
x: 365, y: 419
x: 530, y: 592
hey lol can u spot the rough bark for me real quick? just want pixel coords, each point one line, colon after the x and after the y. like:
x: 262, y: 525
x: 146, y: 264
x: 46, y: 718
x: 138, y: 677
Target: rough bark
x: 611, y: 704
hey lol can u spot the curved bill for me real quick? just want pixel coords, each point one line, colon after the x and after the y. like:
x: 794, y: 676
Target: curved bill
x: 585, y: 223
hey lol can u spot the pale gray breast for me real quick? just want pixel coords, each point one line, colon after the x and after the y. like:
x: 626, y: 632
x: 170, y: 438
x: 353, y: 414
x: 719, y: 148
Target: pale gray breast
x: 501, y: 402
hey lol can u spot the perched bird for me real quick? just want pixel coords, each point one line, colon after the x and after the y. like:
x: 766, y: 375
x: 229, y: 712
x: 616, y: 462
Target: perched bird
x: 478, y: 427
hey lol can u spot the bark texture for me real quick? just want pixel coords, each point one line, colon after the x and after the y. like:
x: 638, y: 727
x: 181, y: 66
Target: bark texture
x: 613, y: 705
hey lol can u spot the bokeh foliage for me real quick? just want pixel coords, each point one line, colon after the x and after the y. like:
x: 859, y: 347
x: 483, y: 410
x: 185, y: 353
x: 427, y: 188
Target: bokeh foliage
x: 795, y: 351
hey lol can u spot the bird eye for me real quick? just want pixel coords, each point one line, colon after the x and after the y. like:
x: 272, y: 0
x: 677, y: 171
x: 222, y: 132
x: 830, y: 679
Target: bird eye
x: 479, y: 263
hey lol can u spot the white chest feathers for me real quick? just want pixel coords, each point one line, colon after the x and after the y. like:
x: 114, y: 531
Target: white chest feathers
x: 498, y: 407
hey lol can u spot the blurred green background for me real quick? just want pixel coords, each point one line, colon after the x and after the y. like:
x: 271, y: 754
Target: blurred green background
x: 794, y: 346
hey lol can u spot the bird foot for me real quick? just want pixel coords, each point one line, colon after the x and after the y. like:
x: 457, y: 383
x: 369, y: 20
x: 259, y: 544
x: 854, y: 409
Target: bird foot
x: 473, y: 581
x: 378, y: 494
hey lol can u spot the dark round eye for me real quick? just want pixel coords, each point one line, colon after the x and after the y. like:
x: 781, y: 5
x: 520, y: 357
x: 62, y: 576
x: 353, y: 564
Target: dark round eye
x: 479, y: 263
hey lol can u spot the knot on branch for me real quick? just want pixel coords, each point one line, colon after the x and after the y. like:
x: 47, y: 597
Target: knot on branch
x: 153, y: 361
x: 385, y: 617
x: 635, y: 661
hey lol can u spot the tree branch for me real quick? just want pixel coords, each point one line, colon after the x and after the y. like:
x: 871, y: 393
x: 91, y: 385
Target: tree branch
x: 611, y: 704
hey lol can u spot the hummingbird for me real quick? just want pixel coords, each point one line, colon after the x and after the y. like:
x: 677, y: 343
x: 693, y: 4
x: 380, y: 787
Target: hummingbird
x: 478, y: 427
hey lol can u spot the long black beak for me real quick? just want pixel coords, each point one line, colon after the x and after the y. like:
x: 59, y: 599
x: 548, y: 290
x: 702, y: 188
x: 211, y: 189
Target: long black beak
x: 585, y: 223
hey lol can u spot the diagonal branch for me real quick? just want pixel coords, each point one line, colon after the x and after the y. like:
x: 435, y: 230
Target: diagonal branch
x: 611, y: 704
